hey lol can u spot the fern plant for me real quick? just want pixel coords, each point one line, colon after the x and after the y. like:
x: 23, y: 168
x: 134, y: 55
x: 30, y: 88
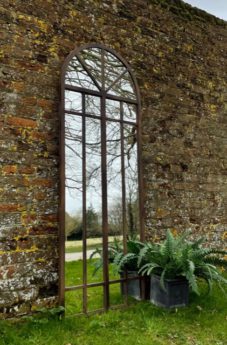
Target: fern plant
x: 179, y: 257
x: 117, y: 257
x: 114, y: 249
x: 129, y: 261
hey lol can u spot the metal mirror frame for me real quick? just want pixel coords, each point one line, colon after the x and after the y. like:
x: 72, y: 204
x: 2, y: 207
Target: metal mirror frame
x: 106, y: 282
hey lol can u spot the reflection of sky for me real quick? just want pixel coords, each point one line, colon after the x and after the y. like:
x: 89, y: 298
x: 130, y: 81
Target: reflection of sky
x: 80, y: 74
x: 113, y: 162
x: 73, y: 162
x: 76, y: 76
x: 93, y: 162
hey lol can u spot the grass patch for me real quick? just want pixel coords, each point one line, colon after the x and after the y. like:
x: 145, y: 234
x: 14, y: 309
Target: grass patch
x: 203, y: 322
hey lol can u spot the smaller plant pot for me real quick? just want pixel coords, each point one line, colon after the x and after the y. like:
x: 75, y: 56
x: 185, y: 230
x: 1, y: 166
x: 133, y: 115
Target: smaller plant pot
x: 134, y: 286
x: 175, y: 294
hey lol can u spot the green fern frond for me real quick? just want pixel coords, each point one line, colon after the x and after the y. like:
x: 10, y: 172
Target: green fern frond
x: 118, y: 258
x: 148, y: 248
x: 168, y: 245
x: 126, y: 259
x: 134, y: 246
x: 192, y: 282
x: 151, y: 268
x: 197, y: 243
x: 162, y: 279
x: 148, y: 268
x: 216, y: 261
x: 98, y: 264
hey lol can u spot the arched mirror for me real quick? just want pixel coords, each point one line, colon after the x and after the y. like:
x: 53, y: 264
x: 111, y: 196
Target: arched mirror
x: 100, y: 175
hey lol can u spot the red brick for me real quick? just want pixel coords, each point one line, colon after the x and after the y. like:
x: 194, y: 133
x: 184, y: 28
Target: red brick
x: 27, y: 170
x: 21, y: 122
x: 29, y: 66
x: 30, y: 101
x: 10, y: 207
x: 43, y: 230
x: 50, y: 217
x: 9, y: 169
x: 39, y: 196
x: 18, y: 86
x: 35, y: 135
x: 45, y: 103
x: 42, y: 182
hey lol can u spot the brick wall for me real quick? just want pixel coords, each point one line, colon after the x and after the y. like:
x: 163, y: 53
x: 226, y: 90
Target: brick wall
x: 179, y: 56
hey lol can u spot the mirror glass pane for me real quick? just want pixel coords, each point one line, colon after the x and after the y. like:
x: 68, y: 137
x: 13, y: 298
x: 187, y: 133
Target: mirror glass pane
x: 129, y: 112
x: 93, y: 61
x: 73, y: 101
x: 92, y: 105
x: 73, y: 200
x: 123, y: 87
x: 113, y: 68
x: 94, y: 199
x: 74, y: 302
x: 112, y: 109
x: 114, y: 188
x: 95, y: 298
x: 77, y: 76
x: 116, y: 294
x: 131, y: 180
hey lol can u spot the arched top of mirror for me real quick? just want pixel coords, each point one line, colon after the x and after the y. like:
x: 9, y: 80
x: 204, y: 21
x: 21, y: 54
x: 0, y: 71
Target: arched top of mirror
x: 101, y: 70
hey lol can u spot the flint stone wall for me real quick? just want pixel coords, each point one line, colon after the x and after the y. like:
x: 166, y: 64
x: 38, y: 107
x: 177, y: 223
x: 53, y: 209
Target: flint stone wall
x: 179, y: 57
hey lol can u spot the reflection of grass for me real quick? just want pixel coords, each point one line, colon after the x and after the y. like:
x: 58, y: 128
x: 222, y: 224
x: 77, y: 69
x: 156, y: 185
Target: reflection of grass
x: 74, y: 273
x: 74, y: 276
x: 90, y: 241
x: 80, y: 248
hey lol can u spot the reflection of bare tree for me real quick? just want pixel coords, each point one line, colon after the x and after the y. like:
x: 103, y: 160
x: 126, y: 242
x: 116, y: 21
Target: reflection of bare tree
x: 131, y: 180
x: 77, y: 75
x: 73, y: 143
x: 73, y: 152
x: 99, y: 70
x: 95, y: 69
x: 132, y: 203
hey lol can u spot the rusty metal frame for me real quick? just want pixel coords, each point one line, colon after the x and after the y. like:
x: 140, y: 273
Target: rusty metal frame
x: 103, y: 96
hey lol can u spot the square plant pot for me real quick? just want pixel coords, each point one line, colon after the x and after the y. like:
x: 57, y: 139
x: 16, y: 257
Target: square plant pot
x: 134, y: 286
x: 175, y: 295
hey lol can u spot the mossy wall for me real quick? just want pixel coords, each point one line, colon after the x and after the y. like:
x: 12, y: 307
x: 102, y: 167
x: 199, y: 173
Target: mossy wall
x: 179, y: 57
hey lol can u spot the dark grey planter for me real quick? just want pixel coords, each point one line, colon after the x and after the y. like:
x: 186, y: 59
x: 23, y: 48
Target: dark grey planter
x: 176, y: 294
x: 134, y: 286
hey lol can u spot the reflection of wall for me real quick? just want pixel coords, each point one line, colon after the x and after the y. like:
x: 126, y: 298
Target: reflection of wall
x: 179, y: 59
